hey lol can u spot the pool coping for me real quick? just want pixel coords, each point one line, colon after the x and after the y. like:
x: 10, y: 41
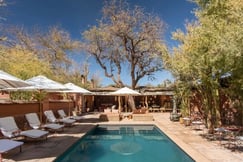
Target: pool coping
x: 194, y: 154
x: 189, y: 140
x: 191, y: 152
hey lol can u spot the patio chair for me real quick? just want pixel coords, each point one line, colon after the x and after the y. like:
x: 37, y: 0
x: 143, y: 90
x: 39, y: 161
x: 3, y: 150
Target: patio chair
x: 10, y: 129
x: 63, y: 115
x: 236, y: 138
x: 35, y: 123
x: 51, y: 118
x: 239, y: 140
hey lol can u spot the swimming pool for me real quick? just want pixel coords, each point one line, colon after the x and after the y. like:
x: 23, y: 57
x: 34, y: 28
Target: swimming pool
x: 124, y: 143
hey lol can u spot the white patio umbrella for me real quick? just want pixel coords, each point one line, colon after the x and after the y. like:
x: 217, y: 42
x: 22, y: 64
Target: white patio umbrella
x: 42, y: 83
x: 76, y: 89
x: 10, y: 81
x: 125, y: 91
x: 28, y: 88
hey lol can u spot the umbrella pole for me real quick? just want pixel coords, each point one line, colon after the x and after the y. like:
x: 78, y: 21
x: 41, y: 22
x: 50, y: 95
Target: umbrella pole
x: 146, y: 101
x: 40, y: 108
x: 119, y: 103
x: 69, y: 108
x: 126, y: 101
x: 69, y: 104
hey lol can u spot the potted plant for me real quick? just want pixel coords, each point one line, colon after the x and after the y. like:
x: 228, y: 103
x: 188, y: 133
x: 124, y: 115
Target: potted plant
x: 181, y: 120
x: 184, y: 119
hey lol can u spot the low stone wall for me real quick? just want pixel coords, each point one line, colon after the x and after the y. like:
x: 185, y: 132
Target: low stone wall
x: 142, y: 117
x: 110, y: 117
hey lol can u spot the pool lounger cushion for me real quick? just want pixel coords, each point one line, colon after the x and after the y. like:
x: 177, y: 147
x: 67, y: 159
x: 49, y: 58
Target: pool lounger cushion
x: 6, y: 145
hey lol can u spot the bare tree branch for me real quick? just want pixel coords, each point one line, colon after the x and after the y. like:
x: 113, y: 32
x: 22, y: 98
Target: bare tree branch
x: 127, y: 37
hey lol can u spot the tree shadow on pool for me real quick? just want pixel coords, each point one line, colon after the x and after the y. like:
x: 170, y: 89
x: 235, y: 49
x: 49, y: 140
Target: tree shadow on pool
x: 85, y: 152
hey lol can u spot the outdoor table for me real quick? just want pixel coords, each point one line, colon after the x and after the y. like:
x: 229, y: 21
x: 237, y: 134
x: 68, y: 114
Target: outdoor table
x: 239, y: 140
x: 222, y: 132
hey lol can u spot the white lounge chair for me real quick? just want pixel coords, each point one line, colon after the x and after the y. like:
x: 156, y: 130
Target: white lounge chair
x: 63, y: 115
x: 51, y: 118
x: 35, y: 123
x: 10, y: 129
x: 7, y: 145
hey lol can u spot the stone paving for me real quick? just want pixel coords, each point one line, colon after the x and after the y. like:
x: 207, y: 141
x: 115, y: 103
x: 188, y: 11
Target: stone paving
x: 188, y: 139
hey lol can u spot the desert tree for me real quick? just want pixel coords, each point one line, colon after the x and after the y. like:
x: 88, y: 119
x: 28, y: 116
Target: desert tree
x: 52, y: 47
x: 126, y: 40
x: 209, y: 50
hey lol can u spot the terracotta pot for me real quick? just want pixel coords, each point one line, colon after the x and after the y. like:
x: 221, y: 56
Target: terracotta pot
x: 181, y: 120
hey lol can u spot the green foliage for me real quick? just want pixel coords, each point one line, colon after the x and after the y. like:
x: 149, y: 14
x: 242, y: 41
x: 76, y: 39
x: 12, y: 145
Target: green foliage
x: 28, y: 96
x: 22, y: 64
x: 183, y: 93
x: 23, y: 96
x: 39, y: 95
x: 26, y: 54
x: 210, y: 50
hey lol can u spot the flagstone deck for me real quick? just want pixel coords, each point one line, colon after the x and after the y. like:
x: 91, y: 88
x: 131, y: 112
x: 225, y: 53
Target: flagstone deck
x: 188, y: 139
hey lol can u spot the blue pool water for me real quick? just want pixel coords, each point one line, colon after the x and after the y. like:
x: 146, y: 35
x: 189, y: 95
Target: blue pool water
x: 124, y: 143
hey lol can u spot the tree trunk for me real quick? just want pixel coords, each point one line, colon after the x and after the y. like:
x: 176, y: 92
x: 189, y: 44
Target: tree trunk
x: 131, y: 103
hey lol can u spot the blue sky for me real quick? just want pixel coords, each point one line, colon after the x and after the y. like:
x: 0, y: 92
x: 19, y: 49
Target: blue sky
x: 75, y: 16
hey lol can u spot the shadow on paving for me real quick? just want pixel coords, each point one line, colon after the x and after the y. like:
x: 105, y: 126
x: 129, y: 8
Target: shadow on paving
x: 90, y: 120
x: 53, y: 147
x: 225, y: 143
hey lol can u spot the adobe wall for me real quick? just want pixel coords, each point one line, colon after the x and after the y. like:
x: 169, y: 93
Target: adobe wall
x: 18, y: 110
